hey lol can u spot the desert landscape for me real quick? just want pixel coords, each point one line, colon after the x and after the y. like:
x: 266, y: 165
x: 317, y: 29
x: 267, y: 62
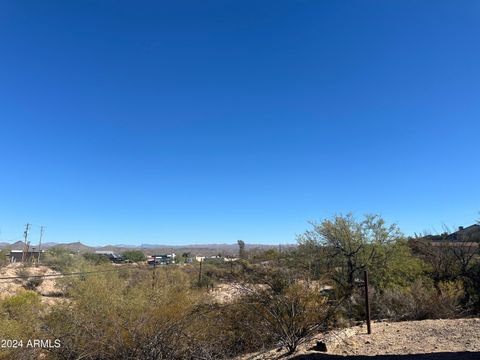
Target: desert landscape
x: 239, y: 180
x: 303, y: 301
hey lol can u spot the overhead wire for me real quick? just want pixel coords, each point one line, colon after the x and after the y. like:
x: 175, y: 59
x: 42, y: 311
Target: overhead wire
x: 80, y: 273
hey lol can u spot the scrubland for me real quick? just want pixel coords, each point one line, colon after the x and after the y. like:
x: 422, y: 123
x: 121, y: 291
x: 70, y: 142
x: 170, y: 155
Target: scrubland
x: 267, y: 300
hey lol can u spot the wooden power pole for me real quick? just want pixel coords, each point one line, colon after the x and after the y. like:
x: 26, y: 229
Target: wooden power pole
x: 40, y: 244
x: 200, y: 274
x: 367, y: 303
x: 25, y: 240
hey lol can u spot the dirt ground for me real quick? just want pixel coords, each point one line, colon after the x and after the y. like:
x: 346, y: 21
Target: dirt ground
x: 49, y: 289
x: 228, y: 292
x: 225, y: 293
x: 437, y: 339
x: 414, y: 337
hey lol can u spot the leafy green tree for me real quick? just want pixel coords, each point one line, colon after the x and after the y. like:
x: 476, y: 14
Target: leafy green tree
x: 134, y: 255
x: 349, y: 246
x: 397, y: 267
x: 3, y: 256
x: 95, y: 259
x: 242, y: 254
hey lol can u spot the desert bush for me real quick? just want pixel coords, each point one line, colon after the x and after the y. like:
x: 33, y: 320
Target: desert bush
x: 32, y: 283
x: 23, y: 273
x: 95, y: 259
x: 289, y: 311
x: 421, y: 300
x: 20, y: 320
x: 134, y: 255
x: 472, y: 288
x: 164, y: 317
x: 21, y: 305
x: 229, y: 330
x: 61, y: 260
x: 112, y: 318
x: 3, y: 257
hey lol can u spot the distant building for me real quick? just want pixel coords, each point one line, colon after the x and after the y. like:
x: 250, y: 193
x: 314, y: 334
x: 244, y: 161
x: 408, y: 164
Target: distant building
x: 162, y: 259
x: 19, y: 255
x: 470, y: 233
x: 468, y: 245
x: 463, y: 234
x: 215, y: 258
x: 112, y: 256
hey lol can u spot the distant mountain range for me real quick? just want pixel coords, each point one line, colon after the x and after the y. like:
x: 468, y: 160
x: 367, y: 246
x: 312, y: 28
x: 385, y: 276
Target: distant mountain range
x: 19, y: 245
x: 203, y: 249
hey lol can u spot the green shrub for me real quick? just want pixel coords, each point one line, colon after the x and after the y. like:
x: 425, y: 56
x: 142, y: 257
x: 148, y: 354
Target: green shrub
x: 134, y: 255
x: 421, y: 300
x: 112, y: 317
x: 95, y: 259
x: 61, y: 260
x: 20, y: 319
x: 287, y: 310
x: 32, y: 283
x: 3, y: 257
x: 23, y: 273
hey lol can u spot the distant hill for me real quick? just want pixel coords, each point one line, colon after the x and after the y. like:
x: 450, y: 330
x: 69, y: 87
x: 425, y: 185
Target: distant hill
x: 125, y: 246
x: 49, y: 245
x: 151, y: 246
x: 195, y: 249
x: 19, y: 245
x: 75, y: 246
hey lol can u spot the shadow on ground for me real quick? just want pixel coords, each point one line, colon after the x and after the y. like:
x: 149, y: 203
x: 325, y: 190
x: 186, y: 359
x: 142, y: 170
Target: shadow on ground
x: 433, y: 356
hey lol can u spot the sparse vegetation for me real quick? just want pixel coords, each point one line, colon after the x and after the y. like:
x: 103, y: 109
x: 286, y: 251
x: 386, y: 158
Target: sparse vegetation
x: 282, y: 297
x: 95, y: 258
x: 61, y: 259
x: 134, y: 255
x: 33, y: 282
x: 288, y: 310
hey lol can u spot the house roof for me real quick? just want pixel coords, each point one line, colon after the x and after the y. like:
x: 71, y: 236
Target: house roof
x: 469, y: 233
x: 30, y: 251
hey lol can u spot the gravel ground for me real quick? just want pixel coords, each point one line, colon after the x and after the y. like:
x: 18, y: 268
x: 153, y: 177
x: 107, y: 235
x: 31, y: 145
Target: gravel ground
x: 457, y: 339
x: 413, y: 337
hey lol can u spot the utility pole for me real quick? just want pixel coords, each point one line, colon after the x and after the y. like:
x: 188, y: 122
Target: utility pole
x: 200, y: 274
x: 154, y: 278
x: 25, y: 245
x: 367, y: 303
x: 40, y: 244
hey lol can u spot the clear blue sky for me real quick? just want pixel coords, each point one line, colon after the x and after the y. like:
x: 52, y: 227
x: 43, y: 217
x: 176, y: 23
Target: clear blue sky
x: 210, y: 121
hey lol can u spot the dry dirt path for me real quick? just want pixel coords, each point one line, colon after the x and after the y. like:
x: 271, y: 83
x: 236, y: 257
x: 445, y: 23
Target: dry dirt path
x: 414, y: 337
x: 457, y: 339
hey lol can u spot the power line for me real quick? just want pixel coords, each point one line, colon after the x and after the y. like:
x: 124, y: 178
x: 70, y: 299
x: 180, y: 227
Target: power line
x: 60, y: 275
